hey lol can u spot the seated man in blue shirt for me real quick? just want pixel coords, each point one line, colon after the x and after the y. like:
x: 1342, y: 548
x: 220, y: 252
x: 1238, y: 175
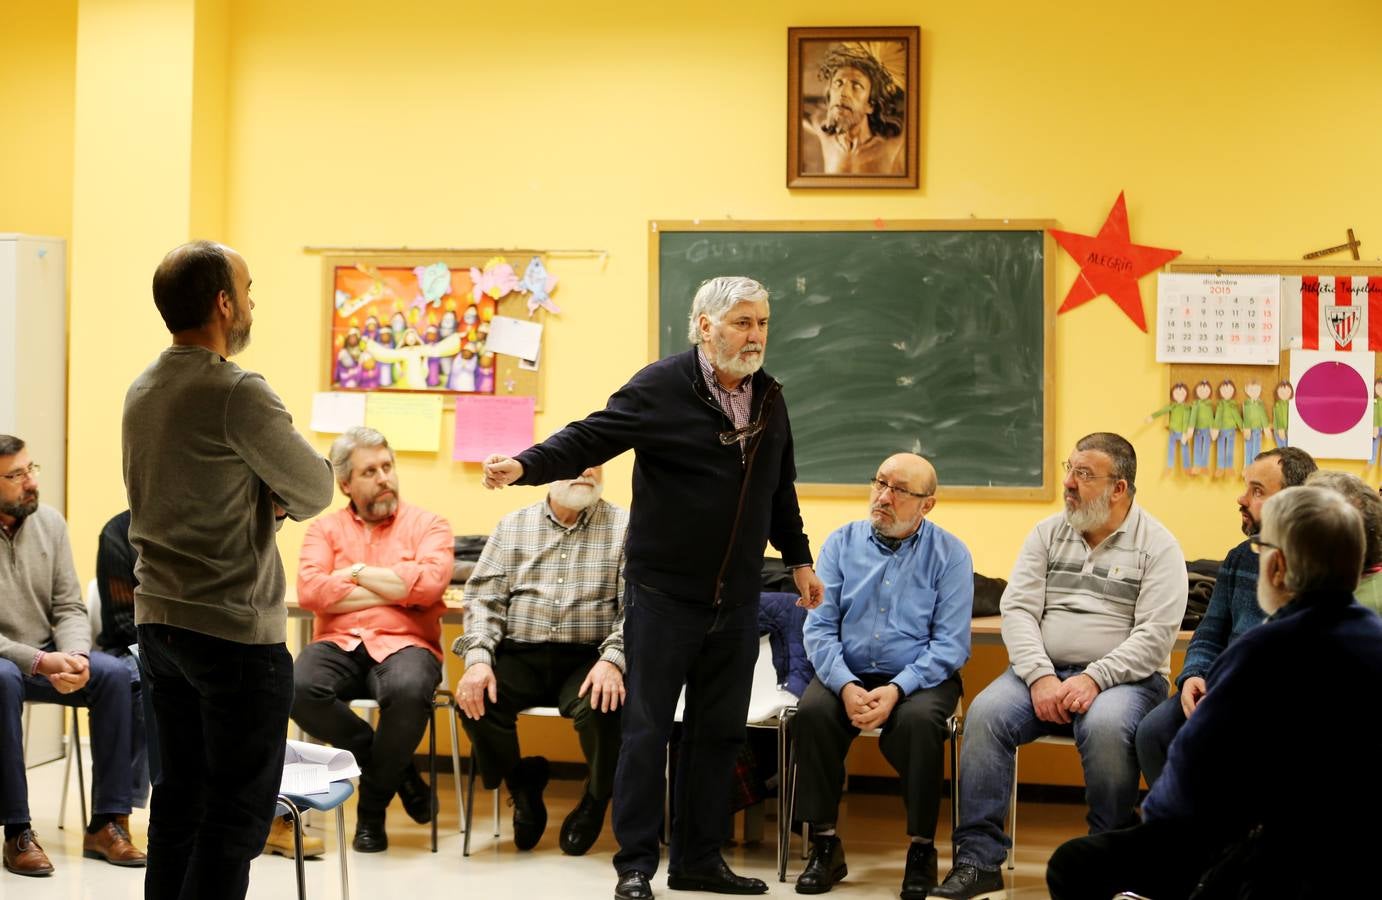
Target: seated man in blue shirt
x: 887, y: 645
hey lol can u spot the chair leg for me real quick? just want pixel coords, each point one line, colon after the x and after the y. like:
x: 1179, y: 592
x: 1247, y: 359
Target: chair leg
x: 296, y: 815
x: 432, y: 776
x: 469, y: 803
x: 81, y: 770
x: 496, y: 813
x: 341, y: 844
x: 954, y: 774
x: 1012, y: 818
x: 461, y: 817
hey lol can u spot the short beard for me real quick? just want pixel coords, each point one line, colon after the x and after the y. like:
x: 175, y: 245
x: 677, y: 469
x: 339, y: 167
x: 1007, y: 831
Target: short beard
x: 575, y: 496
x: 898, y: 530
x: 381, y: 509
x: 839, y: 120
x: 1091, y: 514
x: 21, y: 510
x: 732, y: 363
x: 1250, y: 527
x: 237, y: 337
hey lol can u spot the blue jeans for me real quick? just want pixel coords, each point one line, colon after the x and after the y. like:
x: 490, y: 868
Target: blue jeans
x: 221, y: 710
x: 109, y: 695
x: 1223, y: 455
x: 1155, y: 734
x: 1001, y: 719
x: 1201, y: 442
x: 1252, y: 446
x: 1172, y: 440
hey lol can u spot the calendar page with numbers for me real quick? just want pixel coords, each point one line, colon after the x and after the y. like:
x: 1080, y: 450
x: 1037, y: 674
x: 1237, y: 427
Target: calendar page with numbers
x: 1218, y: 319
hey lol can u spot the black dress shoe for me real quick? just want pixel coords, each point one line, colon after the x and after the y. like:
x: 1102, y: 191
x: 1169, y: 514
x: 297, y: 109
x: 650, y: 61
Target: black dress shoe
x: 416, y: 797
x: 633, y: 886
x: 965, y: 881
x: 920, y: 875
x: 717, y: 878
x: 582, y: 826
x: 825, y: 867
x: 526, y: 784
x: 370, y: 837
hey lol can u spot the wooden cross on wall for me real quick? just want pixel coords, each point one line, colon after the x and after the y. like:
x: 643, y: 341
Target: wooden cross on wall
x: 1351, y: 245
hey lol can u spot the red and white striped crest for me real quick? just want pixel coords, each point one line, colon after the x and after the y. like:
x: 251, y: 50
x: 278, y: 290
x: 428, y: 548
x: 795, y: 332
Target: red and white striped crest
x: 1328, y: 312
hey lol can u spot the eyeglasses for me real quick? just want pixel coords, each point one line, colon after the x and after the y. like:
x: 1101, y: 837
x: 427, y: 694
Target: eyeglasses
x: 19, y: 475
x: 1083, y: 474
x: 741, y: 434
x: 880, y: 486
x: 1257, y: 546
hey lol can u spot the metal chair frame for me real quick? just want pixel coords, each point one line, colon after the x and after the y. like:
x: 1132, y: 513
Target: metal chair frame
x: 292, y: 805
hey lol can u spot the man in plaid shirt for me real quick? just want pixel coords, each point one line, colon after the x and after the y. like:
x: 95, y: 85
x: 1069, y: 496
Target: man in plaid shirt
x: 544, y: 627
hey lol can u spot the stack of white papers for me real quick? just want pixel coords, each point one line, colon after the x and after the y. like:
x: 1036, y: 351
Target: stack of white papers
x: 310, y: 768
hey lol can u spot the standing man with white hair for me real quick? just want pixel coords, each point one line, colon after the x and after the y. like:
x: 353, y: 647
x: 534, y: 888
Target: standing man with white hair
x: 713, y: 483
x: 373, y: 572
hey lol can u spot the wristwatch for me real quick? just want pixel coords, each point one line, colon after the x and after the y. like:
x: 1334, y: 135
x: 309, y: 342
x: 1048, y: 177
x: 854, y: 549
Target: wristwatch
x: 355, y: 571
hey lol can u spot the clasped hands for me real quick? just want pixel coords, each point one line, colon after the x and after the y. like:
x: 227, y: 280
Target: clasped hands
x: 869, y: 709
x: 1056, y: 701
x: 66, y: 672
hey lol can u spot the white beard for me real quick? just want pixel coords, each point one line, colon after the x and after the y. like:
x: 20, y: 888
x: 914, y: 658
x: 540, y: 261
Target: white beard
x: 575, y: 496
x: 1091, y: 514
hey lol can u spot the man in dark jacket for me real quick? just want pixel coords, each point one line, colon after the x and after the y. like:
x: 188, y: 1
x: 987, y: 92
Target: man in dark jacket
x: 1274, y: 821
x: 712, y: 485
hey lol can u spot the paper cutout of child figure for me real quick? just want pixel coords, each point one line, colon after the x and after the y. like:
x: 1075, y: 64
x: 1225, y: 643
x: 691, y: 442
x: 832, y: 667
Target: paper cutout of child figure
x: 1255, y: 421
x: 1201, y: 424
x: 1228, y: 419
x: 1178, y: 422
x: 1376, y: 417
x: 1281, y: 412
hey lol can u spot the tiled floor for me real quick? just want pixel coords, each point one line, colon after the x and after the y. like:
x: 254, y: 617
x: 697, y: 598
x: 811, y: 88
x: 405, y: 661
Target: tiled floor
x: 871, y: 828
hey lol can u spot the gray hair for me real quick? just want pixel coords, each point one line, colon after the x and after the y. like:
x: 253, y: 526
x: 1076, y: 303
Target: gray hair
x: 10, y: 445
x: 1364, y: 499
x: 716, y: 296
x: 1119, y: 451
x: 352, y: 440
x: 1321, y: 536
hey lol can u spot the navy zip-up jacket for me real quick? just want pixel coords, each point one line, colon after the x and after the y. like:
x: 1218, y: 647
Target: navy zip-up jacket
x: 702, y: 514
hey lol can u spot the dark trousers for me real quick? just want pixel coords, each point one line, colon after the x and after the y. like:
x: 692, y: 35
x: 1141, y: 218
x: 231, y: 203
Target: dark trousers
x: 1155, y: 733
x: 669, y: 643
x: 1163, y: 860
x: 544, y: 675
x: 221, y: 710
x: 110, y: 697
x: 325, y: 680
x: 912, y: 741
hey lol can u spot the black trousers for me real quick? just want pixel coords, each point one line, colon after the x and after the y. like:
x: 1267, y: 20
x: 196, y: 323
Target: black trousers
x: 327, y: 678
x: 669, y: 643
x: 222, y: 713
x: 544, y: 675
x: 913, y: 742
x: 1163, y: 860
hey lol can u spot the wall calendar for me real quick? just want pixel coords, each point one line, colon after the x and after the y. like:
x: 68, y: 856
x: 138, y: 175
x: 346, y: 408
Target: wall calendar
x: 1218, y: 318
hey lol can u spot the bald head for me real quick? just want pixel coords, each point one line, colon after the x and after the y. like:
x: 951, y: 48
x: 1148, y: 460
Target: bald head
x: 903, y: 492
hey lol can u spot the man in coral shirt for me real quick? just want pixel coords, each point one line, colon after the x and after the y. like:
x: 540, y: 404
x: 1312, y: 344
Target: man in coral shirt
x: 373, y: 573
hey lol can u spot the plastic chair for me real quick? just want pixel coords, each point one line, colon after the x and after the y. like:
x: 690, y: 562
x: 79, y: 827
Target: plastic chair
x: 955, y: 727
x: 441, y: 699
x: 546, y: 712
x: 1057, y: 739
x: 292, y: 805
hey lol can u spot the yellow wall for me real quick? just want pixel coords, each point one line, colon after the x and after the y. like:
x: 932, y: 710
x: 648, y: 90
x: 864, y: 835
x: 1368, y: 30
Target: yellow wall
x: 557, y: 126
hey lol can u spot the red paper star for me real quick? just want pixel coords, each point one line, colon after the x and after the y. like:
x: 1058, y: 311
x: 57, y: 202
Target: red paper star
x: 1111, y: 263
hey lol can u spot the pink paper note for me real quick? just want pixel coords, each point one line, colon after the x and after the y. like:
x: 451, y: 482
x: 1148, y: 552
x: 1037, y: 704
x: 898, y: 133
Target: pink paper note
x: 487, y: 425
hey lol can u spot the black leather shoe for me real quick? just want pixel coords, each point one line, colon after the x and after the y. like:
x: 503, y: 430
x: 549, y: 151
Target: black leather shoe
x: 370, y: 837
x: 920, y: 874
x: 825, y: 867
x: 582, y: 826
x: 633, y: 886
x: 416, y: 797
x: 526, y: 784
x: 717, y: 878
x: 965, y: 881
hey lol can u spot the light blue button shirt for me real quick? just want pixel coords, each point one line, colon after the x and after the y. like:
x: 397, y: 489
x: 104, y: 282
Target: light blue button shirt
x: 904, y: 613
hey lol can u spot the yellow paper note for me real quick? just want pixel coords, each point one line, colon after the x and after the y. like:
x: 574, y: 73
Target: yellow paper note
x: 409, y: 421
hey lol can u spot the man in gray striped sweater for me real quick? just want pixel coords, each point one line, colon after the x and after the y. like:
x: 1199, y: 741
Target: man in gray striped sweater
x: 1089, y: 617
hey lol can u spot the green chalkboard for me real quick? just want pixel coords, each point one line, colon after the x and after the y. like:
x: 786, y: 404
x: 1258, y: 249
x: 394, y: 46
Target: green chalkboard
x: 930, y: 337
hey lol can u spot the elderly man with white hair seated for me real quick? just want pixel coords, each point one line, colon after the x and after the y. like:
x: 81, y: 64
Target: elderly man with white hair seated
x: 1288, y: 817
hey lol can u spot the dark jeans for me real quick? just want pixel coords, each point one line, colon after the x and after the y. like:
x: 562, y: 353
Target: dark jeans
x: 325, y: 680
x: 1155, y: 734
x: 912, y: 740
x: 544, y: 675
x: 1163, y: 860
x: 669, y: 643
x: 221, y: 710
x: 110, y: 697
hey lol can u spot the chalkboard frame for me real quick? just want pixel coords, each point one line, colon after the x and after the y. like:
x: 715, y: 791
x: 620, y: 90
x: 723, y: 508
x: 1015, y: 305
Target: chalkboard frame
x: 1046, y: 491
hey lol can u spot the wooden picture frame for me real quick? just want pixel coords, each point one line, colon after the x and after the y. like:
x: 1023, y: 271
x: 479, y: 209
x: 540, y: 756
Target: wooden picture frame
x: 360, y: 286
x: 853, y: 107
